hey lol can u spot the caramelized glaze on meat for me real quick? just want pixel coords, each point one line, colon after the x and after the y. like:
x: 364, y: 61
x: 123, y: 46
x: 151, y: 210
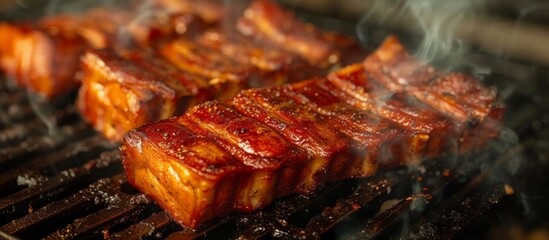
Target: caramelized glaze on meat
x: 295, y: 138
x: 117, y: 95
x: 474, y: 108
x: 267, y: 22
x: 31, y: 54
x: 189, y: 175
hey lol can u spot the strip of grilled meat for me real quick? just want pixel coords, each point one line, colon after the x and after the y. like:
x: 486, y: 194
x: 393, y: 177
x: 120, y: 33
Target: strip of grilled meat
x: 474, y: 108
x: 43, y: 56
x: 121, y: 93
x: 287, y: 139
x: 267, y: 22
x: 30, y: 54
x: 228, y: 61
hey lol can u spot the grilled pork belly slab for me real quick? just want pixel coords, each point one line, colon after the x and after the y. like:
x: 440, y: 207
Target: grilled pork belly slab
x: 31, y: 54
x: 189, y: 175
x: 117, y: 95
x: 275, y: 66
x: 267, y: 22
x: 473, y: 107
x: 289, y: 139
x: 188, y: 73
x: 432, y: 132
x: 332, y: 152
x: 386, y: 142
x: 191, y: 57
x: 253, y: 144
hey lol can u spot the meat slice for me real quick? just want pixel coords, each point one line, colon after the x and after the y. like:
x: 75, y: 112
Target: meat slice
x: 229, y: 162
x: 267, y: 22
x: 332, y: 152
x: 387, y: 144
x: 181, y: 81
x: 276, y: 66
x: 459, y: 96
x: 189, y: 175
x: 193, y: 58
x: 31, y: 54
x: 117, y: 95
x: 287, y: 139
x: 432, y: 132
x: 244, y: 51
x: 277, y: 164
x: 43, y: 56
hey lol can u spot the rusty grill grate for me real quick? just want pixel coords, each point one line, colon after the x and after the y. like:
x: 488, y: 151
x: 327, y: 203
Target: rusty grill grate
x: 70, y: 184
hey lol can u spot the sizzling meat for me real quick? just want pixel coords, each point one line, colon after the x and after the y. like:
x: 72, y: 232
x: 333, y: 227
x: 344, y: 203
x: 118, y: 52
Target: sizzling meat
x: 43, y: 56
x: 473, y: 107
x: 207, y: 64
x: 267, y: 22
x: 285, y: 140
x: 30, y: 54
x: 275, y: 65
x: 121, y: 93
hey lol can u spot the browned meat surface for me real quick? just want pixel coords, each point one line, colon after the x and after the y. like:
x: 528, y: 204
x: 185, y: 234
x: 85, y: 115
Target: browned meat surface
x: 189, y: 175
x: 432, y: 132
x: 275, y: 66
x: 385, y: 141
x: 191, y: 57
x: 31, y: 54
x: 43, y: 56
x: 203, y: 59
x: 117, y: 95
x: 245, y: 51
x: 295, y: 138
x: 332, y: 152
x: 267, y: 22
x: 254, y: 145
x: 473, y: 107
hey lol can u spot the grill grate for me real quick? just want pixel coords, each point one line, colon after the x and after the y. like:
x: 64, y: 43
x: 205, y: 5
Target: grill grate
x: 73, y: 186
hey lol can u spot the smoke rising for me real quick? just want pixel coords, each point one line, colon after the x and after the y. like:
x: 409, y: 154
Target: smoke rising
x: 438, y: 22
